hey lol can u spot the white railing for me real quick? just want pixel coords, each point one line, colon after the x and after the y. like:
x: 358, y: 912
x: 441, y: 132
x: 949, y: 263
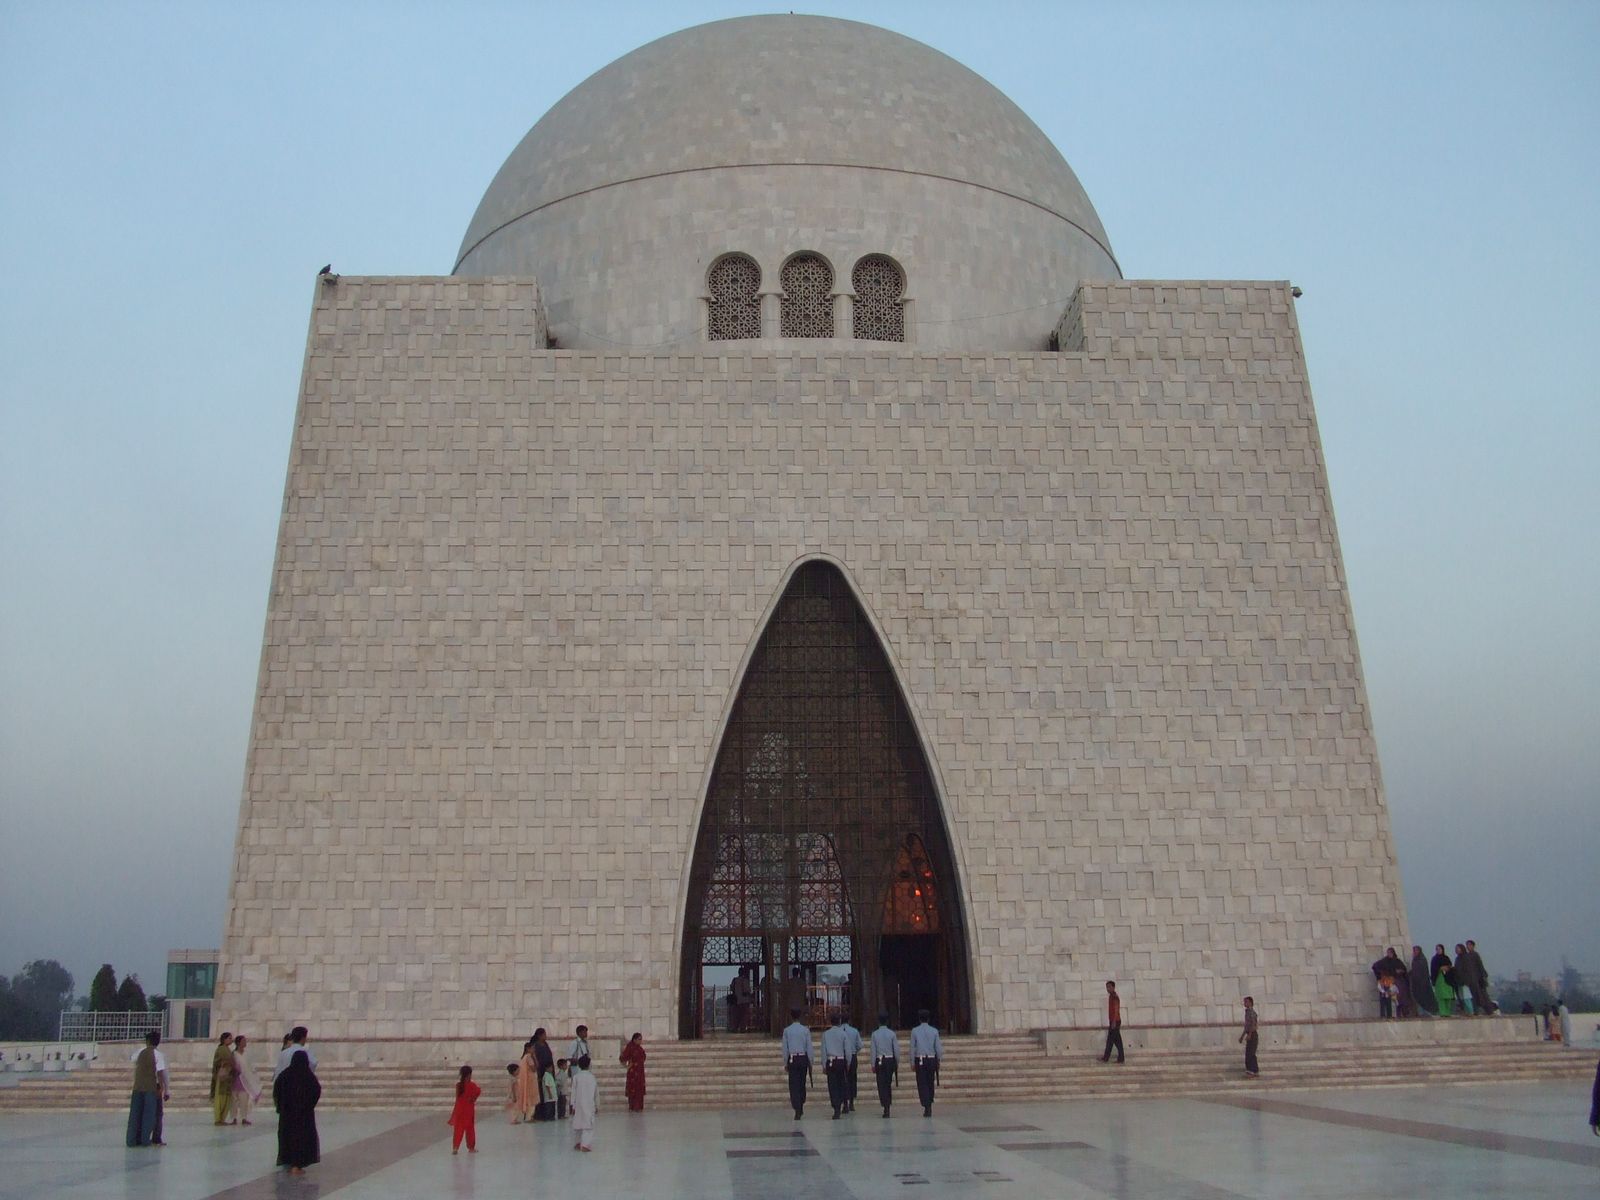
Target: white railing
x: 109, y: 1026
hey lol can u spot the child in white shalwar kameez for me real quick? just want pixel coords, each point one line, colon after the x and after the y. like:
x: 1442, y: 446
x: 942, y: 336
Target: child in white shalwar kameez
x: 585, y: 1089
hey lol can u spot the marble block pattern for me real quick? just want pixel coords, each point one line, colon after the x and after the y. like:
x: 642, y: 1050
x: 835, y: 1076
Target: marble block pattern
x: 515, y: 588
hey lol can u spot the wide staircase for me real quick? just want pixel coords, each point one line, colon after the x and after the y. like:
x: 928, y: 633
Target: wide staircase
x: 740, y: 1071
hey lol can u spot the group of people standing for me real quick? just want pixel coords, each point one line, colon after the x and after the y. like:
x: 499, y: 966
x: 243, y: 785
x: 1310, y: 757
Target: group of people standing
x: 546, y: 1088
x: 1436, y: 987
x: 841, y: 1049
x: 234, y: 1093
x: 234, y: 1090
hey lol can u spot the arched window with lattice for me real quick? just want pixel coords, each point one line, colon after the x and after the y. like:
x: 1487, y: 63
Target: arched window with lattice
x: 807, y: 310
x: 734, y: 310
x: 880, y: 288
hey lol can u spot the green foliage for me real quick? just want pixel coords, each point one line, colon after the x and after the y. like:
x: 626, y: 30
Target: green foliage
x: 103, y: 990
x: 31, y: 1001
x: 16, y: 1022
x: 130, y: 996
x: 158, y: 1003
x: 1509, y: 994
x: 1575, y: 990
x: 1571, y: 987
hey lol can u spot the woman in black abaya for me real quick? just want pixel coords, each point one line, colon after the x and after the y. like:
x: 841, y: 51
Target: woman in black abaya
x: 296, y: 1093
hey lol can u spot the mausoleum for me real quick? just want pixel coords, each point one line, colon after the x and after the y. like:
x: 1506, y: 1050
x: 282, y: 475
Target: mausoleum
x: 786, y: 542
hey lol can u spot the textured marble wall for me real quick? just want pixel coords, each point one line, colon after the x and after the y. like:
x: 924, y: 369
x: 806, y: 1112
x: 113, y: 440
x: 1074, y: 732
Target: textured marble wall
x: 515, y: 587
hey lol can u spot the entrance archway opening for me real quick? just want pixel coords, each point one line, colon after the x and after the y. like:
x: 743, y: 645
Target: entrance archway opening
x: 822, y: 876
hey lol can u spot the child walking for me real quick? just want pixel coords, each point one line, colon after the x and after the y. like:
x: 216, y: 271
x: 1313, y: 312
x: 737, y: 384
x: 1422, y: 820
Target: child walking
x: 563, y: 1088
x: 585, y: 1093
x: 513, y: 1105
x: 464, y: 1116
x: 547, y: 1092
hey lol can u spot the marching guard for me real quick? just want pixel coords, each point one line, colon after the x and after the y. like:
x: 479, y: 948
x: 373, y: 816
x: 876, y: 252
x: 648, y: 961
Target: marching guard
x: 926, y: 1051
x: 835, y: 1049
x: 885, y: 1061
x: 852, y: 1050
x: 797, y: 1060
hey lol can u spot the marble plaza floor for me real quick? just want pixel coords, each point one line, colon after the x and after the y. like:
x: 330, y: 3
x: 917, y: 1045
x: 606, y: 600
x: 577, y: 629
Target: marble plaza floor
x: 1522, y: 1140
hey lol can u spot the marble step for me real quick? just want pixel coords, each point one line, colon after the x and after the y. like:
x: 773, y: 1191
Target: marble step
x: 349, y: 1087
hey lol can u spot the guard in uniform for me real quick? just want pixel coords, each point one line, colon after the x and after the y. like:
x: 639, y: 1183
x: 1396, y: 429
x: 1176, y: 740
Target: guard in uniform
x: 885, y: 1060
x: 926, y: 1051
x: 852, y: 1050
x: 797, y: 1060
x: 835, y: 1066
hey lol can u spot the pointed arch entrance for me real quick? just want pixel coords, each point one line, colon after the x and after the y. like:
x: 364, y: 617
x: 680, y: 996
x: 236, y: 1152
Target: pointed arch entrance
x: 822, y: 869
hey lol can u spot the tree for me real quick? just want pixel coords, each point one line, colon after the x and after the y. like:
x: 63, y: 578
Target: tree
x: 15, y: 1019
x: 130, y: 996
x: 1574, y: 990
x: 1509, y: 994
x: 35, y: 997
x: 31, y: 1001
x: 158, y: 1003
x: 103, y: 990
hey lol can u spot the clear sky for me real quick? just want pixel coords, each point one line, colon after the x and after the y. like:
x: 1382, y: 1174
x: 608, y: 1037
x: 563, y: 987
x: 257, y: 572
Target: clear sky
x: 172, y: 176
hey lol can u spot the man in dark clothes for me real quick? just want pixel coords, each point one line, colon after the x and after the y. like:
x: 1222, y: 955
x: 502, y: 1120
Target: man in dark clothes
x: 1476, y: 978
x: 1251, y: 1037
x: 145, y: 1100
x: 1113, y: 1022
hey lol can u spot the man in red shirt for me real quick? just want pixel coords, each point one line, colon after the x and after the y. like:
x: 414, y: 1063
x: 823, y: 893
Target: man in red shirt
x: 1113, y: 1022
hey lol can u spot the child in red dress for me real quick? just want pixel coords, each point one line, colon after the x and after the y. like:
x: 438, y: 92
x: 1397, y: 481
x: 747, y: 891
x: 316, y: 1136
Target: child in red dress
x: 464, y: 1116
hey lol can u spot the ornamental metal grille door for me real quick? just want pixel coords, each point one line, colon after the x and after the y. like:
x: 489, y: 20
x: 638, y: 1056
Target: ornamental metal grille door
x: 822, y: 840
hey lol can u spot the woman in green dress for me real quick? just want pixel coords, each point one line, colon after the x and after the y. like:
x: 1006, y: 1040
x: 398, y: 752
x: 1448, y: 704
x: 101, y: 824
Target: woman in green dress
x: 1444, y: 990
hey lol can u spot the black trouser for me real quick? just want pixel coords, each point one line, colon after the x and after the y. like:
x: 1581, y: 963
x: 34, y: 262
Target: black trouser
x: 1113, y: 1038
x: 884, y: 1069
x: 1385, y: 1006
x: 838, y: 1084
x: 850, y: 1095
x: 1251, y: 1041
x: 798, y: 1067
x: 927, y: 1074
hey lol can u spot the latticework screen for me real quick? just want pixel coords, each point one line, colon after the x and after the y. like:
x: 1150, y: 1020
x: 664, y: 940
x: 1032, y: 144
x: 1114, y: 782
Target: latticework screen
x: 807, y: 309
x: 880, y: 288
x: 734, y: 282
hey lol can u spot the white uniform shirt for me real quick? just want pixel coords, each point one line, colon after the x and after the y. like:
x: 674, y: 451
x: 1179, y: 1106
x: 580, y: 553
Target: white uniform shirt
x: 885, y: 1044
x: 796, y: 1040
x: 925, y: 1042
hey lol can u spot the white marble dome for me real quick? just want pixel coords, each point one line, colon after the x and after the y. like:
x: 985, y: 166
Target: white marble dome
x: 775, y: 135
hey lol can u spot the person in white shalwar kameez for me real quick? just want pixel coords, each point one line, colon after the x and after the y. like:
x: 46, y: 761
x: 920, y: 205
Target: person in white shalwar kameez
x: 585, y: 1090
